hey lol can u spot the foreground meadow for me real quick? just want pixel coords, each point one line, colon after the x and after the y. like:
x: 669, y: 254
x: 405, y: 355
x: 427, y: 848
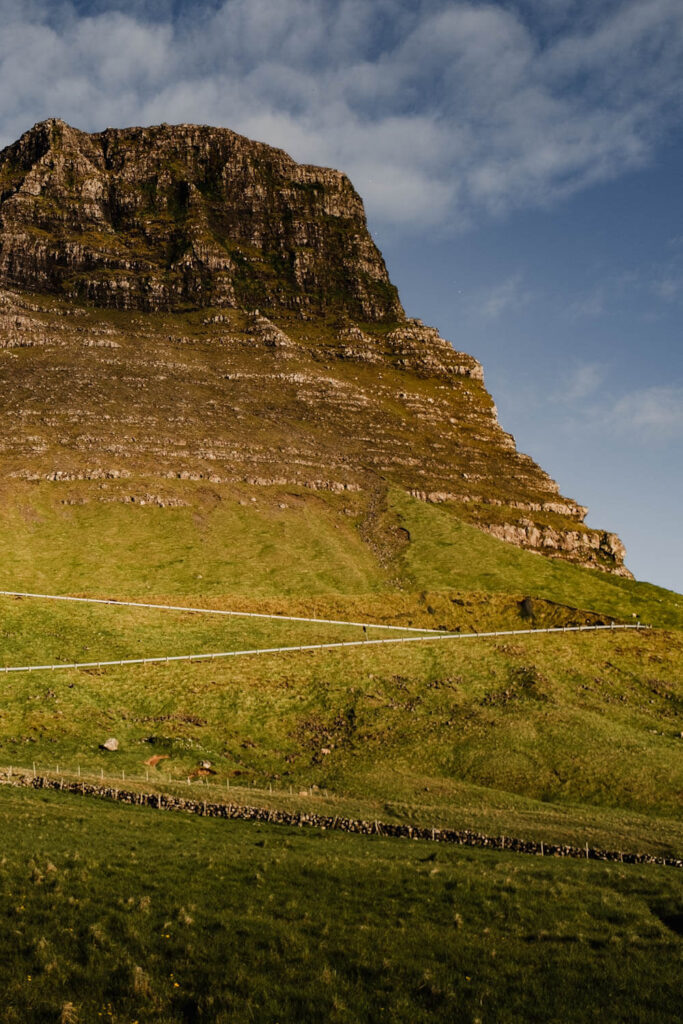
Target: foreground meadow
x: 127, y: 914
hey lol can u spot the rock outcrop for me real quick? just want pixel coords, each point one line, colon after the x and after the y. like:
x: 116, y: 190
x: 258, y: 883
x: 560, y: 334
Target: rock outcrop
x: 184, y: 216
x: 579, y: 546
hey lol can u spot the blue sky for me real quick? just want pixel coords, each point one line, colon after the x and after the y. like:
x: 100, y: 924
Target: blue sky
x: 520, y: 161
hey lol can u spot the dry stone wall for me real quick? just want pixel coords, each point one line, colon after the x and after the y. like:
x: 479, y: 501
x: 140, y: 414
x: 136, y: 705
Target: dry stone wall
x: 355, y: 826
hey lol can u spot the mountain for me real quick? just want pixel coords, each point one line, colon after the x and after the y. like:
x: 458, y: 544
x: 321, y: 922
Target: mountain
x: 211, y: 398
x: 179, y: 302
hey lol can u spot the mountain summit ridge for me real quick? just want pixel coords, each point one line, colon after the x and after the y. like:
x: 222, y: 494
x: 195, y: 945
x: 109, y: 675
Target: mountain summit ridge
x: 184, y: 216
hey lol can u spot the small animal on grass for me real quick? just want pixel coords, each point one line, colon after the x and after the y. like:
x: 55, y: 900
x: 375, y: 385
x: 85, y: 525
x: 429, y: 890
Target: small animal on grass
x: 153, y: 761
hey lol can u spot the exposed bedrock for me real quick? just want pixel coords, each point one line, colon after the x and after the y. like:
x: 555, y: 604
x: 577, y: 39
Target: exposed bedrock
x: 185, y: 215
x: 182, y: 303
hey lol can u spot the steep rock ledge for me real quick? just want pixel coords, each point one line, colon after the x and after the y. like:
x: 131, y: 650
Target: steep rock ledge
x: 184, y: 216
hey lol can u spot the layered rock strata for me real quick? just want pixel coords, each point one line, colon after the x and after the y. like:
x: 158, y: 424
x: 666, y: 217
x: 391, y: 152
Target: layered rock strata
x: 256, y: 340
x: 185, y: 215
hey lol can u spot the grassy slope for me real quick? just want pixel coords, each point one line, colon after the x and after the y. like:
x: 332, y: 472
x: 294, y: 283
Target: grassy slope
x: 308, y: 550
x: 441, y: 734
x: 207, y: 548
x: 562, y: 737
x: 126, y: 914
x: 445, y: 552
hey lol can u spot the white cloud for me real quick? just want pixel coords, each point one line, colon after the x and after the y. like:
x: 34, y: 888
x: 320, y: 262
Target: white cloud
x: 650, y: 414
x: 668, y: 288
x: 440, y: 110
x: 582, y: 382
x: 505, y: 297
x: 592, y: 304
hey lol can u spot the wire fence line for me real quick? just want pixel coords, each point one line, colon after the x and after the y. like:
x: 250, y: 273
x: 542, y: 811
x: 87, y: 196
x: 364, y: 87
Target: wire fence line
x: 218, y: 611
x: 210, y: 785
x: 317, y: 647
x: 227, y: 810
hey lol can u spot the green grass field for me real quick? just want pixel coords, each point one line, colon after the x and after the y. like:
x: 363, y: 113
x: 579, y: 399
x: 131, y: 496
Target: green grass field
x: 298, y: 556
x: 126, y: 914
x: 573, y: 738
x: 447, y: 732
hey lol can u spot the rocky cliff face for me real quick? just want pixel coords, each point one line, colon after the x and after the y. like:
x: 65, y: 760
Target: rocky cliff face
x: 184, y: 216
x: 184, y: 304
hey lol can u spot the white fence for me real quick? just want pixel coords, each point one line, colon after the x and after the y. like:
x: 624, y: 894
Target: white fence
x: 217, y: 611
x: 431, y: 637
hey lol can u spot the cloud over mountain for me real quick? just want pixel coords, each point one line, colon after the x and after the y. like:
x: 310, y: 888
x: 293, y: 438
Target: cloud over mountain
x: 440, y: 111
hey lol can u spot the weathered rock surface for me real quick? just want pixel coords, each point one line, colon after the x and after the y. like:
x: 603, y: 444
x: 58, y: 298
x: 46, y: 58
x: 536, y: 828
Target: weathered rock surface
x: 570, y: 542
x: 185, y: 215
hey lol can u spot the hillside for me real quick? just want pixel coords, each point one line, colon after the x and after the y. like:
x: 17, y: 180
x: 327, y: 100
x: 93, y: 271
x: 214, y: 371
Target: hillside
x: 318, y: 458
x: 210, y: 396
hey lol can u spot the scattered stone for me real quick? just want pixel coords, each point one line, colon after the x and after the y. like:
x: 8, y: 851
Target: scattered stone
x: 111, y: 744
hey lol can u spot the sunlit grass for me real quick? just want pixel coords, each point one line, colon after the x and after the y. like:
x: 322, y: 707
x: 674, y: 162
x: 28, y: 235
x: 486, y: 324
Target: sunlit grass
x: 140, y: 915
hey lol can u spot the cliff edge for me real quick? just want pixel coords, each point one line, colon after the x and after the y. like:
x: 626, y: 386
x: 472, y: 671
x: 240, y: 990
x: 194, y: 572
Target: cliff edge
x: 183, y: 216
